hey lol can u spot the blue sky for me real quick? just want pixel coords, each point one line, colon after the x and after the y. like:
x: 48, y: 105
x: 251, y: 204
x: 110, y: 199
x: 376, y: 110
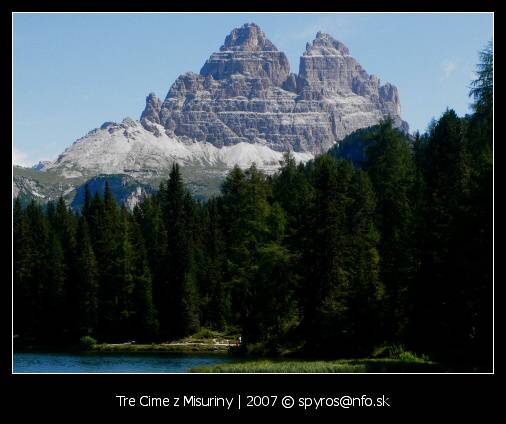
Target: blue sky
x: 72, y: 72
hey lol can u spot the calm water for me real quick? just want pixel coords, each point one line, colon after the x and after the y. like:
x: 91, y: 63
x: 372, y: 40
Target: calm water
x: 114, y: 363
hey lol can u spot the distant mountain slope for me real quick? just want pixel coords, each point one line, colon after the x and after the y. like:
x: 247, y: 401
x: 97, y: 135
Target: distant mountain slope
x: 127, y: 191
x: 354, y: 146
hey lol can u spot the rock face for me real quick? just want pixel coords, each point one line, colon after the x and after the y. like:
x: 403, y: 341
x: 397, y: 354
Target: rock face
x: 248, y: 52
x: 246, y: 93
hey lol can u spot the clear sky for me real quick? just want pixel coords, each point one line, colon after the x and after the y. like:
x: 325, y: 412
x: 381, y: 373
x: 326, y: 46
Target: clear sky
x: 72, y: 72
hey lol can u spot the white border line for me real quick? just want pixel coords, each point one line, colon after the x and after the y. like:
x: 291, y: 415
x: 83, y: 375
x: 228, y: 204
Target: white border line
x: 249, y: 373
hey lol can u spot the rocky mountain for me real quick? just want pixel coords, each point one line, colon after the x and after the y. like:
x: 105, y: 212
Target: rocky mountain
x: 244, y: 106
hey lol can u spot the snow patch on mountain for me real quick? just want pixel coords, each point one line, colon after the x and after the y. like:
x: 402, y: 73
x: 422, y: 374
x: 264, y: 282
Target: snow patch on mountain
x: 130, y: 148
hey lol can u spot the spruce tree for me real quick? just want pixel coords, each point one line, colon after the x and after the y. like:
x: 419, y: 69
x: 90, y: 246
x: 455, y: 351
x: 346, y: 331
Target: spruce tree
x: 86, y: 283
x: 366, y: 288
x: 391, y: 170
x: 182, y: 293
x: 53, y: 298
x: 441, y: 316
x: 145, y: 321
x: 23, y: 285
x: 326, y: 282
x: 149, y: 216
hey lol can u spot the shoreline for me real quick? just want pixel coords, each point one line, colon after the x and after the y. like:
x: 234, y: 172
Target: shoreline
x: 185, y: 348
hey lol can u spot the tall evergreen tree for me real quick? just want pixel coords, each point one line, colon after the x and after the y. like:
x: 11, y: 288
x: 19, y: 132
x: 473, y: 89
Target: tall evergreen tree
x: 391, y: 170
x: 39, y: 264
x: 23, y: 285
x: 149, y: 217
x: 87, y: 283
x: 326, y: 282
x: 440, y: 317
x: 145, y: 319
x: 53, y: 302
x: 366, y: 288
x: 183, y: 296
x: 215, y: 302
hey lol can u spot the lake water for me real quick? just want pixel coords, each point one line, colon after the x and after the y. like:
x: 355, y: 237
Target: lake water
x: 112, y: 363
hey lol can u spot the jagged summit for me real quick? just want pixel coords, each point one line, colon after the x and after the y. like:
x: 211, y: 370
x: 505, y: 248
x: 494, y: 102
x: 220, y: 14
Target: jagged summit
x: 152, y: 109
x: 326, y: 45
x: 247, y: 52
x: 249, y: 38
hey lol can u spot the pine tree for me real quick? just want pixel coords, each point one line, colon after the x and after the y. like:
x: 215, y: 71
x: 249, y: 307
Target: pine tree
x: 53, y: 306
x: 391, y: 170
x: 482, y: 88
x: 87, y: 283
x: 122, y: 281
x: 87, y: 202
x: 38, y: 230
x: 440, y: 312
x: 182, y: 291
x: 149, y: 217
x: 106, y: 236
x: 24, y: 290
x: 245, y: 212
x: 366, y: 288
x: 275, y: 313
x: 65, y: 228
x: 213, y: 292
x: 145, y: 319
x: 479, y: 224
x: 326, y: 282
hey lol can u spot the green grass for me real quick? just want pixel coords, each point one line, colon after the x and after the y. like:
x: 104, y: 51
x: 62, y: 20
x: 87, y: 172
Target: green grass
x: 320, y: 366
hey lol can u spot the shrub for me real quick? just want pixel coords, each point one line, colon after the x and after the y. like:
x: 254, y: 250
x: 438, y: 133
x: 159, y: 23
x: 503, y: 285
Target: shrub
x: 205, y: 333
x: 397, y: 351
x: 87, y: 343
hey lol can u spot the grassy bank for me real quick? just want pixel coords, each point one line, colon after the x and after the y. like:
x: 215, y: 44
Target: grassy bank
x: 205, y: 341
x: 182, y: 348
x: 320, y: 366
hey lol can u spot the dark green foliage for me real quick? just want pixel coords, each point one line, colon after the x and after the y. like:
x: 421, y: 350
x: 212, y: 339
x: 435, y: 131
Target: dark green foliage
x: 86, y: 287
x: 326, y: 282
x: 24, y: 287
x: 354, y: 146
x: 391, y: 169
x: 367, y: 307
x: 215, y: 305
x: 144, y: 320
x: 182, y: 296
x: 482, y: 89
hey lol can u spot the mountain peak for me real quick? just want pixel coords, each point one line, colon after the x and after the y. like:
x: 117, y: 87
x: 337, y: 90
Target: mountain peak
x: 248, y: 38
x: 152, y: 109
x: 248, y: 53
x: 325, y: 45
